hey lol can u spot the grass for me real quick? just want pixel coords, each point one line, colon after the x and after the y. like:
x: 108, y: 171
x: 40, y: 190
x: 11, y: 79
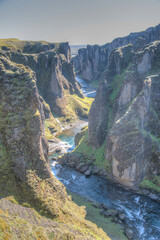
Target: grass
x: 151, y: 182
x: 77, y: 106
x: 114, y: 231
x: 94, y: 84
x: 97, y: 156
x: 116, y: 84
x: 51, y: 127
x: 15, y: 44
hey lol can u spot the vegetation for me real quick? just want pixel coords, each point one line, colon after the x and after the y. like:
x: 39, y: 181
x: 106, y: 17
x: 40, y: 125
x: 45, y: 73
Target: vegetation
x: 93, y: 214
x: 77, y: 106
x: 15, y: 44
x: 95, y: 155
x: 151, y: 182
x: 34, y: 204
x: 116, y: 85
x: 51, y: 127
x: 94, y: 84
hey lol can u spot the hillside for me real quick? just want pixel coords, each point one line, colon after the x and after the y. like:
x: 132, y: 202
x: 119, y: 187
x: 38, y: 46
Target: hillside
x: 33, y: 203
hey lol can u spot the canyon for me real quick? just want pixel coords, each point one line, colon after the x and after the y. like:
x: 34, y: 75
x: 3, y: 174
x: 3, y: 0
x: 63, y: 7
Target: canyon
x: 45, y: 93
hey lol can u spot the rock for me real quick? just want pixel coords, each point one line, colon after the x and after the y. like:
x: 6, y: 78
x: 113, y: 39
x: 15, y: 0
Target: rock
x: 54, y: 73
x: 145, y: 192
x: 129, y: 233
x: 59, y: 149
x: 153, y: 196
x: 121, y: 216
x: 95, y: 171
x: 115, y: 220
x: 92, y: 60
x: 111, y: 212
x: 84, y: 168
x: 72, y: 164
x: 95, y: 204
x: 87, y: 173
x: 51, y: 141
x: 104, y: 206
x: 127, y: 115
x: 79, y: 136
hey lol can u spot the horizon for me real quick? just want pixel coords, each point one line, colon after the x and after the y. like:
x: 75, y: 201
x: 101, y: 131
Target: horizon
x: 79, y: 23
x: 42, y: 40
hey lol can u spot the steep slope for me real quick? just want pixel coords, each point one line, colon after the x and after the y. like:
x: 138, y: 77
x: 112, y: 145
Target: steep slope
x: 91, y: 61
x: 125, y: 116
x: 33, y: 203
x: 54, y: 72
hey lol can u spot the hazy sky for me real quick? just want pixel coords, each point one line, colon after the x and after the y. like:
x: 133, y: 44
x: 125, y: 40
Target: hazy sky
x: 76, y: 21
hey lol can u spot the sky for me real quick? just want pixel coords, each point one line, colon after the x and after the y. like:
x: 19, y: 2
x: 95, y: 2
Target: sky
x: 76, y: 21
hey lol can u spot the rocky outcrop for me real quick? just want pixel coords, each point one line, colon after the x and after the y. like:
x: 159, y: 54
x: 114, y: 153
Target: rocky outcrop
x: 22, y: 120
x: 92, y: 61
x: 102, y: 105
x: 54, y: 71
x: 126, y: 113
x: 25, y: 175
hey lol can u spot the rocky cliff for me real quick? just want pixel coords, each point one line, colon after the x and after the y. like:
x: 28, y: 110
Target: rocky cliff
x: 53, y: 68
x: 91, y: 61
x: 125, y: 116
x: 33, y: 203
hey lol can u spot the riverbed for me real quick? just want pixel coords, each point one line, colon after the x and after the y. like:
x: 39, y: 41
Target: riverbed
x: 143, y: 214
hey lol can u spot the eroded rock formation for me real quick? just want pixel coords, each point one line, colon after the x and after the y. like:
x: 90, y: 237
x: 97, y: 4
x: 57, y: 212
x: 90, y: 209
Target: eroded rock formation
x: 91, y: 61
x: 28, y: 189
x: 126, y: 114
x: 54, y: 71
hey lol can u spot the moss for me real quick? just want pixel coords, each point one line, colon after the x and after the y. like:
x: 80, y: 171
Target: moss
x: 116, y: 85
x: 77, y: 107
x: 25, y: 178
x: 151, y: 182
x: 94, y: 84
x: 96, y: 155
x: 51, y: 127
x: 28, y: 46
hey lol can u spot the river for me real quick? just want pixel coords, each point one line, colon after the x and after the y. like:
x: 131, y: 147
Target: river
x: 143, y: 213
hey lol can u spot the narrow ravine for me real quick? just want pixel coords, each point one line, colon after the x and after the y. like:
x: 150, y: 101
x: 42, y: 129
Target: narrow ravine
x: 143, y: 214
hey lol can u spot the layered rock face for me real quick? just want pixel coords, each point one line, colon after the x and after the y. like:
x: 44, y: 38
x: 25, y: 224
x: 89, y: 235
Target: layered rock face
x: 53, y: 68
x: 25, y: 176
x: 91, y: 61
x: 22, y: 134
x: 126, y: 113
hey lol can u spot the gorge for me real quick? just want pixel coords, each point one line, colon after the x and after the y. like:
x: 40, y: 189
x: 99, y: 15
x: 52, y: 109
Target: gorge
x: 109, y: 162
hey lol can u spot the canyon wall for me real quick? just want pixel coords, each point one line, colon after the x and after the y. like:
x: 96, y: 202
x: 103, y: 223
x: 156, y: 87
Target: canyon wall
x: 125, y: 114
x: 33, y: 203
x: 53, y: 68
x: 92, y: 60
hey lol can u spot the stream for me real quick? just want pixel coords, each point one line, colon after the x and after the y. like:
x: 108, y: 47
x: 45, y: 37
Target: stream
x: 143, y: 213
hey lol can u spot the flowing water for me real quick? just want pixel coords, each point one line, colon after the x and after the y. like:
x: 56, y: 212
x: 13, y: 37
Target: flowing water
x: 86, y: 89
x: 143, y: 214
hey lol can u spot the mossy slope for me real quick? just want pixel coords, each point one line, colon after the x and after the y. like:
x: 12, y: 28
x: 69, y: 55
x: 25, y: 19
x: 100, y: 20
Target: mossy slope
x: 25, y: 176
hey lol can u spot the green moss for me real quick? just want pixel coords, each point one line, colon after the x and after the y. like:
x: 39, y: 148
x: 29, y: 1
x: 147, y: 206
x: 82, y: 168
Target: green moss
x: 51, y: 127
x: 77, y: 106
x: 16, y: 44
x: 97, y: 156
x: 151, y: 182
x: 116, y: 85
x: 94, y: 84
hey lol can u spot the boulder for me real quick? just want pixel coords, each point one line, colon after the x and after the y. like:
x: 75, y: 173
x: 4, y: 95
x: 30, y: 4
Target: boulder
x: 121, y: 216
x: 129, y: 233
x: 87, y: 173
